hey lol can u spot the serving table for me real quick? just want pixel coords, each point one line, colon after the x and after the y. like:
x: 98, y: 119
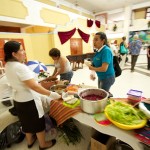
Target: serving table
x: 124, y: 135
x: 61, y: 113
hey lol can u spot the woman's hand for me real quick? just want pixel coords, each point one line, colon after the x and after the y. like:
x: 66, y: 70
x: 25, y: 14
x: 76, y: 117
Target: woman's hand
x: 54, y: 95
x: 92, y: 76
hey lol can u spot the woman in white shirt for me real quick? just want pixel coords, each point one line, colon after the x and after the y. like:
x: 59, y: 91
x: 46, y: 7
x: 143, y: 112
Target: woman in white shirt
x: 62, y: 65
x: 27, y: 95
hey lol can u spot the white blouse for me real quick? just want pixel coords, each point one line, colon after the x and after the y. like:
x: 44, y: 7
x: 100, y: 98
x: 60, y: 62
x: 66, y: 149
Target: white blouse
x: 17, y: 72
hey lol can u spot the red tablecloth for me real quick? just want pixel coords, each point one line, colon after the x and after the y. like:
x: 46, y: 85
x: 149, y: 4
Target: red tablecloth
x: 60, y: 112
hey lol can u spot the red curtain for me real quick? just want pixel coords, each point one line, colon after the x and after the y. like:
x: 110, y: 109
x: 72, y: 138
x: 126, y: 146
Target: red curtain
x: 84, y: 36
x: 98, y: 23
x: 89, y: 23
x: 65, y: 36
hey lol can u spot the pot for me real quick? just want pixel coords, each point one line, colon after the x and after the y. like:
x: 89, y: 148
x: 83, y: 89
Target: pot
x: 93, y: 106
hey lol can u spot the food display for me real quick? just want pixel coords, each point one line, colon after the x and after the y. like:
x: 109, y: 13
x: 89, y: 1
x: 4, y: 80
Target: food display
x: 72, y: 89
x: 125, y: 116
x: 48, y: 82
x: 92, y: 97
x: 70, y: 100
x: 59, y: 88
x: 65, y: 82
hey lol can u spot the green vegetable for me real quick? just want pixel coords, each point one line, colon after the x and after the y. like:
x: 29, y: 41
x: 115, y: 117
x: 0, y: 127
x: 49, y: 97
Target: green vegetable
x: 70, y: 132
x: 99, y: 117
x: 125, y: 114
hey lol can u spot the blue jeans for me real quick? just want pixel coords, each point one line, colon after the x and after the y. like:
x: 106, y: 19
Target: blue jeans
x: 66, y: 76
x: 105, y: 84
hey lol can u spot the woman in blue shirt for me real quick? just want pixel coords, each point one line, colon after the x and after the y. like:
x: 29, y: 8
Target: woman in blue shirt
x: 103, y: 62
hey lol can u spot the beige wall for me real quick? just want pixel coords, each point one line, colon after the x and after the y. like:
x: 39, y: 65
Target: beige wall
x: 37, y: 46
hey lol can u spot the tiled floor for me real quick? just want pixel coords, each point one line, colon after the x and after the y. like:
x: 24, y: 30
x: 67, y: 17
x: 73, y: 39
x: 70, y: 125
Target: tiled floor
x: 138, y: 80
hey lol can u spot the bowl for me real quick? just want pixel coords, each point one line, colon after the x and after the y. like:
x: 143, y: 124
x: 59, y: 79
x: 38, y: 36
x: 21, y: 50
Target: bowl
x: 47, y: 84
x: 124, y: 126
x: 93, y: 106
x: 51, y: 78
x: 59, y: 88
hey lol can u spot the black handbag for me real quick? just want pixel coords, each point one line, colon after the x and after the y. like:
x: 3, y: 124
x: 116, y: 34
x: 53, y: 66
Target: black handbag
x: 117, y: 68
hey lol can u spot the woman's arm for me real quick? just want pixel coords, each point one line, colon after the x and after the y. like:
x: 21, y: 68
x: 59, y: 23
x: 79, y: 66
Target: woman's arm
x: 103, y: 68
x: 148, y: 53
x: 62, y: 67
x: 32, y: 84
x: 55, y: 70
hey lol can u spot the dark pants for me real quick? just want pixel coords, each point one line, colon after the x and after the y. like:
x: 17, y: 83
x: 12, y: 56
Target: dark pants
x: 105, y: 84
x: 66, y: 76
x: 133, y: 61
x: 148, y: 63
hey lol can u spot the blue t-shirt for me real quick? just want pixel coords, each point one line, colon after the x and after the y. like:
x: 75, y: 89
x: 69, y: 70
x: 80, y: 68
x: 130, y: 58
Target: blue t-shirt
x: 104, y: 56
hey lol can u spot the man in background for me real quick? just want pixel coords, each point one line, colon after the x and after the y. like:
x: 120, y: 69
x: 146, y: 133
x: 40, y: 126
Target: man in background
x: 134, y: 47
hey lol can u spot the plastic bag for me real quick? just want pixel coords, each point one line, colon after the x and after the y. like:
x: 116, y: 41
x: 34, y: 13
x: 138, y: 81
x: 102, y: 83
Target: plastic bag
x: 11, y: 134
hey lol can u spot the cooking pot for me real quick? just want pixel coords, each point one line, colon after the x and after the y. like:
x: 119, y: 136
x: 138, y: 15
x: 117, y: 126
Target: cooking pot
x: 93, y: 106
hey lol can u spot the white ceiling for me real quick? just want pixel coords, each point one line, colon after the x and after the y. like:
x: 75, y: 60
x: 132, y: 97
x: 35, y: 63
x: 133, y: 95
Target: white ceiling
x: 95, y: 6
x: 104, y: 5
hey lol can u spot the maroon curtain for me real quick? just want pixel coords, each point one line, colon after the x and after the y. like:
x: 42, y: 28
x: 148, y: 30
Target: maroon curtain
x: 84, y: 36
x: 98, y: 23
x: 65, y: 36
x: 89, y: 23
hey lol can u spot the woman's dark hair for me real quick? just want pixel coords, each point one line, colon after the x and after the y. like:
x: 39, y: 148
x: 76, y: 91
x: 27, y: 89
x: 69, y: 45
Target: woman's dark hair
x: 123, y: 38
x: 54, y: 52
x: 148, y: 47
x: 9, y: 48
x: 103, y: 36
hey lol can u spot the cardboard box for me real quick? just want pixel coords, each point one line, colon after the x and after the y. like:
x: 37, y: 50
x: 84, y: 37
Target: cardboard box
x: 102, y: 141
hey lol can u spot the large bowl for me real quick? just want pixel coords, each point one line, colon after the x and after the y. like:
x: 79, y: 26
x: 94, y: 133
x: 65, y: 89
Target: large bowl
x: 90, y: 106
x: 124, y: 126
x: 59, y: 88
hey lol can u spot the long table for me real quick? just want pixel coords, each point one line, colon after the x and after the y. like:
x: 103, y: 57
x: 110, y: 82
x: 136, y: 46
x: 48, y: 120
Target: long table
x: 124, y: 135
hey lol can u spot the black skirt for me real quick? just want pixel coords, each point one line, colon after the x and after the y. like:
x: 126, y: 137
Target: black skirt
x: 28, y: 115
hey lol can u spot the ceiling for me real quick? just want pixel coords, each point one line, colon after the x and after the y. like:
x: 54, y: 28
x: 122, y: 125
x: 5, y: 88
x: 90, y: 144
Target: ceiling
x: 93, y: 6
x: 104, y: 5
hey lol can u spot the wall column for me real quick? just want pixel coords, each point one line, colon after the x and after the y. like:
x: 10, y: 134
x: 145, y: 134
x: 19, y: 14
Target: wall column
x: 127, y: 20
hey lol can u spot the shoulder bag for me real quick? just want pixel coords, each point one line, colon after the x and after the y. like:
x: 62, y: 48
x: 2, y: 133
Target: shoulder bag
x: 123, y: 50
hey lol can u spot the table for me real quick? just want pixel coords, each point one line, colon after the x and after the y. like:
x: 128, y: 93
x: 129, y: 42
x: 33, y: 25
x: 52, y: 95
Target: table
x: 62, y: 113
x: 79, y: 58
x: 124, y: 135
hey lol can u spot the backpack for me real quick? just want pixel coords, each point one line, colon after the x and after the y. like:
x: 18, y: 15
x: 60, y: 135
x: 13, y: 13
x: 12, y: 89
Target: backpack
x: 11, y: 134
x: 117, y: 68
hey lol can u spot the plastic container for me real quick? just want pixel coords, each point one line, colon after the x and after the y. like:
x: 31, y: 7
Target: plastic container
x: 134, y: 96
